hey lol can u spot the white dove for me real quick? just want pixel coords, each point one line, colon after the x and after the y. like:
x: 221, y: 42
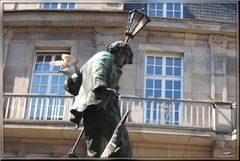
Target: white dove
x: 68, y: 63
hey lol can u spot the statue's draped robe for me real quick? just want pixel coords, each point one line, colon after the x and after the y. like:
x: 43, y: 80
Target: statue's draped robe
x: 100, y: 115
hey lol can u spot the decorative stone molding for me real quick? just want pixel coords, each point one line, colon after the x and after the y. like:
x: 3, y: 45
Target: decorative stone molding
x: 217, y: 41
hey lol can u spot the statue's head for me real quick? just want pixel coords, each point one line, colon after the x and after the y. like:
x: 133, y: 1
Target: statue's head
x: 122, y: 53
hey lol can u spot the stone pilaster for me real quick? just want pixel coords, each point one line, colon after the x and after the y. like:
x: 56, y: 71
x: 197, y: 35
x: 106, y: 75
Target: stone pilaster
x: 105, y: 36
x: 218, y: 45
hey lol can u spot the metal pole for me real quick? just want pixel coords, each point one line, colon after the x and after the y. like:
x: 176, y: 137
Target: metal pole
x: 71, y: 153
x: 126, y: 40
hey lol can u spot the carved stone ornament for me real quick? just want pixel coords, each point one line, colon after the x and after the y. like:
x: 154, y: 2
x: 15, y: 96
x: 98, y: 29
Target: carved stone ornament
x: 217, y: 41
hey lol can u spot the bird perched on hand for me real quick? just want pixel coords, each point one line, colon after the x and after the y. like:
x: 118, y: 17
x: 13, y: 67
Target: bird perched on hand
x: 68, y: 64
x: 70, y: 69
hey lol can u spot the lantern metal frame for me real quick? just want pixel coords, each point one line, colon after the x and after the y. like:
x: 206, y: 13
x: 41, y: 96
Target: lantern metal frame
x: 136, y: 21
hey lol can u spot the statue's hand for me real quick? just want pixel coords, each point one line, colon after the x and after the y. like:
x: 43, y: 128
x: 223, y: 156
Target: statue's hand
x: 113, y: 92
x: 104, y: 92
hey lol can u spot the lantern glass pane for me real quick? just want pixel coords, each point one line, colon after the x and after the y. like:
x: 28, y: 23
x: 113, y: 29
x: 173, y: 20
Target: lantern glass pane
x: 130, y: 21
x: 136, y: 19
x: 140, y: 25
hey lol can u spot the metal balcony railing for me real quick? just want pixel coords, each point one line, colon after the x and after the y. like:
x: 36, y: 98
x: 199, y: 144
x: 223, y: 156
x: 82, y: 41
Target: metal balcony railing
x: 168, y: 112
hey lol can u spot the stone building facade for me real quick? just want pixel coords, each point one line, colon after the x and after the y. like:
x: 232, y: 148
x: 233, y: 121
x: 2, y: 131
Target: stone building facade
x: 191, y: 63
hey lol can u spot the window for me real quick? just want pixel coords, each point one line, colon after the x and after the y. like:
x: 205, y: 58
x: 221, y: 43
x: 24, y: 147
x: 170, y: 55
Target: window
x: 168, y: 10
x: 58, y: 5
x: 46, y: 80
x: 163, y: 79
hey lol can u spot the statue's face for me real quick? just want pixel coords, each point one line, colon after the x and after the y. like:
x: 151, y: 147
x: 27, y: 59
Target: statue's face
x: 122, y: 53
x: 123, y: 56
x: 120, y: 60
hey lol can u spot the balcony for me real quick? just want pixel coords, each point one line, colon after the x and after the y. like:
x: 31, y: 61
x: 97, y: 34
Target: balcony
x: 152, y: 123
x: 145, y: 111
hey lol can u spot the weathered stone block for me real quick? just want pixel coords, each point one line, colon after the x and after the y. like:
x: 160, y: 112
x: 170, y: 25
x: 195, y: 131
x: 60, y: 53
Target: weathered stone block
x: 198, y: 50
x: 16, y: 79
x: 53, y: 36
x: 16, y: 55
x: 231, y: 86
x: 140, y: 61
x: 128, y: 79
x: 140, y: 79
x: 219, y: 85
x: 231, y: 63
x: 201, y: 83
x: 187, y: 95
x: 223, y: 119
x: 187, y: 82
x: 23, y: 36
x: 219, y: 63
x: 201, y: 63
x: 187, y: 62
x: 198, y: 96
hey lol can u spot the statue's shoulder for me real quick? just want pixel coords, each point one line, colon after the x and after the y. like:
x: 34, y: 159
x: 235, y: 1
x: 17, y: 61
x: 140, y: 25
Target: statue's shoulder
x: 104, y: 55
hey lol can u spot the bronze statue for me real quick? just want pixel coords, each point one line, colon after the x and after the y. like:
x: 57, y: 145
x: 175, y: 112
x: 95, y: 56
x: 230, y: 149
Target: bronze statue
x: 95, y: 86
x: 97, y: 100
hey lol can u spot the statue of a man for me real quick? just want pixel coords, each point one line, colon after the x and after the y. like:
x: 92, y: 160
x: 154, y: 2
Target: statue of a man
x: 97, y: 100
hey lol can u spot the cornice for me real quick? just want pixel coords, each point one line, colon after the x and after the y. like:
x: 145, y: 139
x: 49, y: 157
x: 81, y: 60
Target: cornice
x: 113, y: 20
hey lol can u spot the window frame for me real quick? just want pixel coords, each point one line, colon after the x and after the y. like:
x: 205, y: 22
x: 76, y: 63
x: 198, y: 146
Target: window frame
x: 50, y: 75
x: 47, y: 52
x: 163, y: 78
x: 164, y: 10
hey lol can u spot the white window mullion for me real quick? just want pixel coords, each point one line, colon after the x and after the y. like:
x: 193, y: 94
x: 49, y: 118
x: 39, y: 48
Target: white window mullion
x: 181, y: 10
x: 52, y: 59
x: 50, y: 84
x: 173, y: 10
x: 173, y: 113
x: 182, y: 77
x: 59, y: 5
x: 50, y: 77
x: 164, y: 10
x: 163, y: 87
x: 163, y: 73
x: 148, y: 7
x: 164, y: 69
x: 156, y: 9
x: 154, y: 65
